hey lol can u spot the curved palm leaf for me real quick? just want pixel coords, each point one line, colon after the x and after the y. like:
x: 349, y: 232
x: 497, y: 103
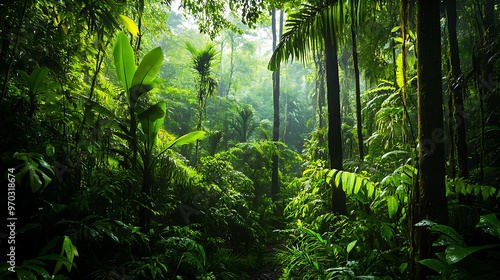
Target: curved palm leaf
x: 306, y: 31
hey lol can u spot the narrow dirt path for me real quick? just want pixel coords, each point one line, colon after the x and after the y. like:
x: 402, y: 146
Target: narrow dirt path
x: 270, y: 269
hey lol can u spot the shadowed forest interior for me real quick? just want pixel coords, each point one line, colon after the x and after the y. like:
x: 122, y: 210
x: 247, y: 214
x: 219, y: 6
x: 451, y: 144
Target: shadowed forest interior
x: 250, y: 139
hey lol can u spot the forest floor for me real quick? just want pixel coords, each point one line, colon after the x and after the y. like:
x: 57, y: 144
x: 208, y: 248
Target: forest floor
x: 270, y: 269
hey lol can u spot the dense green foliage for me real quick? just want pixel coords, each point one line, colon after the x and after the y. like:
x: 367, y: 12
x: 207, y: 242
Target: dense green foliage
x: 136, y: 147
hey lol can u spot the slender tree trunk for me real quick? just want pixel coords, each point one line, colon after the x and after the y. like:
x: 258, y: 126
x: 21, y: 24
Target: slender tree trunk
x: 456, y: 90
x: 486, y: 74
x: 405, y: 6
x: 276, y: 106
x: 431, y: 191
x: 231, y: 72
x: 451, y: 125
x: 147, y: 182
x: 354, y: 30
x: 391, y: 45
x: 334, y: 121
x: 219, y: 87
x: 320, y: 87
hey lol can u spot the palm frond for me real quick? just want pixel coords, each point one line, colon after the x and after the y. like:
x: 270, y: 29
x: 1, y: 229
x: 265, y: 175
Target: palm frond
x: 204, y: 59
x: 306, y: 32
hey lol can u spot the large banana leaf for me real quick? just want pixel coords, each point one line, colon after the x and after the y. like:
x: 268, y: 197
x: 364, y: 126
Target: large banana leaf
x: 129, y: 24
x: 151, y: 122
x: 145, y: 76
x: 185, y: 139
x: 124, y: 60
x: 35, y: 81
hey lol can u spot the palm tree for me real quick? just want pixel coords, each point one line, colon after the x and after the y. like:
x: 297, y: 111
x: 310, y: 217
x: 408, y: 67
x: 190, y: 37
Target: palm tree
x: 316, y: 27
x: 203, y: 61
x: 244, y: 125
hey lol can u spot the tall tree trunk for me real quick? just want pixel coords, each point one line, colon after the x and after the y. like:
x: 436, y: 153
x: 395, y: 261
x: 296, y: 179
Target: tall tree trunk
x: 276, y: 106
x: 431, y: 193
x: 456, y: 90
x: 451, y: 133
x: 391, y: 45
x: 219, y: 86
x: 147, y: 182
x: 405, y: 6
x: 231, y: 65
x: 334, y: 121
x: 320, y: 87
x: 354, y: 29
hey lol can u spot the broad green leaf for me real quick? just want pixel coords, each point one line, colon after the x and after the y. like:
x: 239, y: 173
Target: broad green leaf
x: 338, y: 178
x: 487, y: 191
x: 399, y: 71
x: 410, y: 170
x: 185, y: 139
x: 359, y: 182
x: 370, y: 187
x: 113, y: 162
x: 412, y: 35
x: 437, y: 265
x: 406, y: 179
x: 151, y: 122
x: 347, y: 182
x: 129, y: 24
x: 331, y: 174
x: 37, y: 77
x: 45, y: 164
x: 470, y: 187
x: 396, y: 28
x: 25, y: 77
x: 490, y: 224
x: 392, y: 205
x: 398, y: 39
x: 387, y: 180
x: 477, y: 189
x: 35, y: 181
x: 351, y: 245
x: 449, y: 235
x: 138, y: 90
x: 124, y: 60
x: 394, y: 153
x: 456, y: 253
x: 445, y: 240
x: 344, y: 182
x: 32, y: 161
x: 148, y: 69
x: 35, y: 80
x: 70, y: 249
